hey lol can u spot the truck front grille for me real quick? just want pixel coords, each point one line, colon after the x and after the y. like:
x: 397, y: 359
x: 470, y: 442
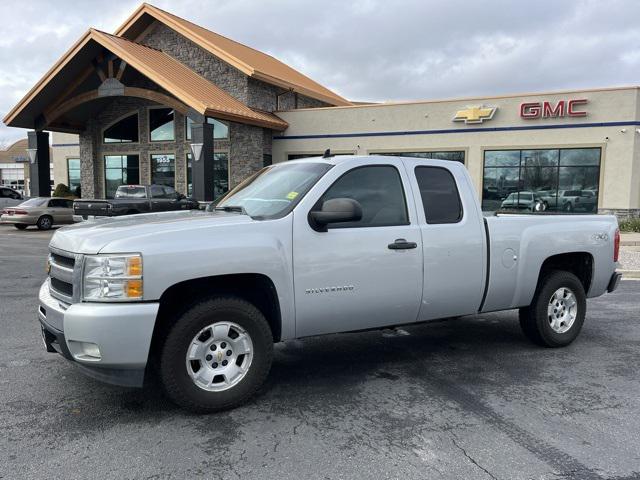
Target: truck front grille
x: 62, y: 287
x: 64, y: 275
x: 68, y: 262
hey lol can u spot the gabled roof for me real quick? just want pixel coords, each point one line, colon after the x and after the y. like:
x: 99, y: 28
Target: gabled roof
x: 175, y: 77
x: 252, y: 62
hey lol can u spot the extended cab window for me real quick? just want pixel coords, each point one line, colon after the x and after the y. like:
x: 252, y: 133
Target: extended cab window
x: 440, y: 197
x: 157, y: 191
x: 378, y: 189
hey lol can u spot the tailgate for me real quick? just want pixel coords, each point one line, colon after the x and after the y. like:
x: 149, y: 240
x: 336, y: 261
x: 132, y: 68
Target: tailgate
x: 91, y: 207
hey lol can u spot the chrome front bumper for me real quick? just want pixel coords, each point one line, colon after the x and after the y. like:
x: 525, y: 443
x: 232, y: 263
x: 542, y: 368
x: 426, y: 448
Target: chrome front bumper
x: 110, y: 341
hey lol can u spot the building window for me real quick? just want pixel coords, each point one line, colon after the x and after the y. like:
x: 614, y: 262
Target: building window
x: 161, y: 125
x: 564, y: 180
x: 220, y: 129
x: 120, y: 170
x: 456, y: 156
x: 220, y: 174
x: 73, y: 175
x: 124, y: 130
x: 163, y: 169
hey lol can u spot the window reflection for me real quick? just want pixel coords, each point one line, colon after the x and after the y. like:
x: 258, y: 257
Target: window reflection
x: 161, y: 125
x: 562, y: 180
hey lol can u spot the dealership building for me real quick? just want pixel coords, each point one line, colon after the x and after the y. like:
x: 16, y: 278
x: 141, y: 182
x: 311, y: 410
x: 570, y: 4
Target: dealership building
x: 163, y: 100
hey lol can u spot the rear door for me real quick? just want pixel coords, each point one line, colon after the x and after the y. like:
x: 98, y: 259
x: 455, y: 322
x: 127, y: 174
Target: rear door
x: 56, y: 208
x: 159, y: 200
x: 351, y: 277
x: 453, y: 240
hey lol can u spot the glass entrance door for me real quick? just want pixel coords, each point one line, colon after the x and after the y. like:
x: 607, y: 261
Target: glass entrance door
x: 120, y: 170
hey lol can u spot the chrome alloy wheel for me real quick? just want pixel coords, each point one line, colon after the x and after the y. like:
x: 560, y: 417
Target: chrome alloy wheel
x: 562, y: 310
x: 219, y: 356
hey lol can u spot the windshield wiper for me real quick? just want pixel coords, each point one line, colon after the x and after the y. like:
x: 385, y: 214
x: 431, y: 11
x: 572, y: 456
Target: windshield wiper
x: 231, y: 208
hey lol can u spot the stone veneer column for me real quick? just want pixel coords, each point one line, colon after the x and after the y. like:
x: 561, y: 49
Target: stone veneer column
x: 89, y: 163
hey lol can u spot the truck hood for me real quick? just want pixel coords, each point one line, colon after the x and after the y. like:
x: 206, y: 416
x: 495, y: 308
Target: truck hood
x: 91, y: 237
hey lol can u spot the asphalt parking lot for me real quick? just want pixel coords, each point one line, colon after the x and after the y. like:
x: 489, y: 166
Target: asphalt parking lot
x: 468, y: 398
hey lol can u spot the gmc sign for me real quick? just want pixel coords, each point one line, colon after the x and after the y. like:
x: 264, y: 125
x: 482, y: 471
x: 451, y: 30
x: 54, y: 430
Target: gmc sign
x: 564, y: 108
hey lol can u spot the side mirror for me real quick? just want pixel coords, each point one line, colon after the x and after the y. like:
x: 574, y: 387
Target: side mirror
x: 336, y: 210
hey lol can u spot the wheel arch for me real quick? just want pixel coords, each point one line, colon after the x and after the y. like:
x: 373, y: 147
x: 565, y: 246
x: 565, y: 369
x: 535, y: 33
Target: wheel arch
x: 256, y: 288
x: 578, y: 263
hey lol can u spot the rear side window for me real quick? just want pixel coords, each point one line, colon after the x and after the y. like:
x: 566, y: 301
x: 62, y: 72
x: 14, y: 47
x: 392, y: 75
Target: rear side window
x: 440, y: 197
x: 378, y: 188
x: 157, y: 191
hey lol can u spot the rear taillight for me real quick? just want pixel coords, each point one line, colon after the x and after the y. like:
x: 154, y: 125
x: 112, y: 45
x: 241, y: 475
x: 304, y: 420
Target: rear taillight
x: 20, y: 212
x: 616, y: 245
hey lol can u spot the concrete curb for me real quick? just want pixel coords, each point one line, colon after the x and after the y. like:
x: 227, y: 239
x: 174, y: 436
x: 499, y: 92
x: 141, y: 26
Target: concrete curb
x: 629, y: 243
x: 629, y: 273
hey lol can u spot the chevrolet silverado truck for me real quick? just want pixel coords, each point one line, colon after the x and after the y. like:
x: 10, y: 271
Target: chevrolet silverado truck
x: 133, y: 199
x: 309, y: 247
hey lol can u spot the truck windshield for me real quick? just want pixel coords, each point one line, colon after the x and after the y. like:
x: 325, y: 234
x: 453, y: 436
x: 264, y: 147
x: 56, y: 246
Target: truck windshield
x: 274, y: 190
x: 130, y: 191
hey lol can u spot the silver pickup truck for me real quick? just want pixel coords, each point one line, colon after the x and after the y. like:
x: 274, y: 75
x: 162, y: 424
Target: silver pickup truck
x: 302, y: 248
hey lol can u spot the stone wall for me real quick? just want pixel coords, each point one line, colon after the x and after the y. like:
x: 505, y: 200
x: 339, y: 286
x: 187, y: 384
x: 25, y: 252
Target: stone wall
x: 621, y: 213
x: 246, y: 151
x: 228, y: 78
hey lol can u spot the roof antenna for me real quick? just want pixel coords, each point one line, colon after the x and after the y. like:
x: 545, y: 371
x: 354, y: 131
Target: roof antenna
x: 327, y: 153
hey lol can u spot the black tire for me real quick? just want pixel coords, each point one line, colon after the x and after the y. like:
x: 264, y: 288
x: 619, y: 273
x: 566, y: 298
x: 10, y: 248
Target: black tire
x: 534, y: 319
x: 45, y: 222
x: 20, y: 226
x: 568, y: 207
x: 132, y: 212
x: 179, y: 386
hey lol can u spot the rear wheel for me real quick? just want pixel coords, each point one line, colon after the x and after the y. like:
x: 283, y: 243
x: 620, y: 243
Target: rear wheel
x: 20, y: 226
x: 216, y: 356
x: 556, y: 314
x: 45, y: 222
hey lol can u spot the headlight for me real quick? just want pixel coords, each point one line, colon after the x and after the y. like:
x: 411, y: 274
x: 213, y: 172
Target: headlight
x: 112, y: 278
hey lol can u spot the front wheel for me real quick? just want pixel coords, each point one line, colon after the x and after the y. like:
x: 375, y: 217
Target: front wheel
x: 556, y: 314
x: 216, y: 356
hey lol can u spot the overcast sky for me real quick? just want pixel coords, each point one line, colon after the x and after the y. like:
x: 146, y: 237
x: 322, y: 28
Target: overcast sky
x: 366, y: 50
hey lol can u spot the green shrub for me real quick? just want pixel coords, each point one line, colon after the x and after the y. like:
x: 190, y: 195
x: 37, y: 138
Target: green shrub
x: 62, y: 191
x: 631, y: 225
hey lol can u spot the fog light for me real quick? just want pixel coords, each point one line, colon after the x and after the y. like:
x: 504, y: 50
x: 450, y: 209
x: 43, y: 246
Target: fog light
x: 85, y: 350
x: 91, y: 350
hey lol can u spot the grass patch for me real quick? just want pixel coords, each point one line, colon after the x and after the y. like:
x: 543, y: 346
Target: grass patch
x: 632, y: 225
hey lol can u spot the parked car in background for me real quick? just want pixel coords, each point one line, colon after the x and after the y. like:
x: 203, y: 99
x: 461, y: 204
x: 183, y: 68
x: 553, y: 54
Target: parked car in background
x: 582, y: 200
x: 43, y: 212
x: 133, y: 199
x: 10, y: 197
x: 523, y: 201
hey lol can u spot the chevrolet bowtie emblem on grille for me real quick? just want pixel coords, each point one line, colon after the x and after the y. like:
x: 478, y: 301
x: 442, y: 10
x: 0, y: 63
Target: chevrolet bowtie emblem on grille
x: 474, y: 114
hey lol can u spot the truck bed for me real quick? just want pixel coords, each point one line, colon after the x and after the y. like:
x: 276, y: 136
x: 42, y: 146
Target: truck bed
x: 519, y: 244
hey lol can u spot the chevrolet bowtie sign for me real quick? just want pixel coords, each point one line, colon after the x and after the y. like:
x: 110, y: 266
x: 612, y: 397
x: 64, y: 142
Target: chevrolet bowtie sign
x: 474, y: 114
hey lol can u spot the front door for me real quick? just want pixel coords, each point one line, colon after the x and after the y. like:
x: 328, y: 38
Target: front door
x: 358, y: 275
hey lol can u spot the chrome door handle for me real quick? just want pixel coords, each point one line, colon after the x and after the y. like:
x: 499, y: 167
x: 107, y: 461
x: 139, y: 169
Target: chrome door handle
x: 402, y: 244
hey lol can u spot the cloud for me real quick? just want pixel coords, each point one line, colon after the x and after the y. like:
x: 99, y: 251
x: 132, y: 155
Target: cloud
x: 368, y: 49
